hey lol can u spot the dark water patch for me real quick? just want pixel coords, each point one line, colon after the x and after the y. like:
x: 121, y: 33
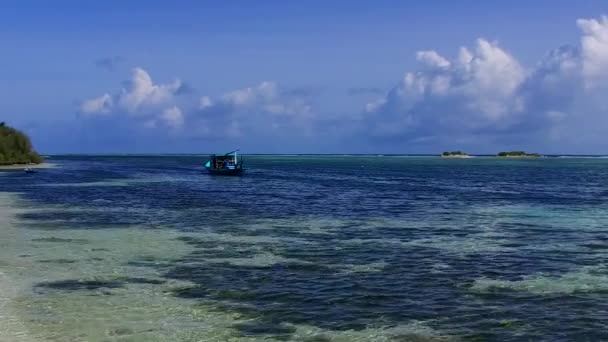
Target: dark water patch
x: 61, y: 240
x: 602, y: 237
x: 140, y: 280
x: 317, y: 339
x: 191, y: 292
x: 62, y: 225
x: 296, y: 295
x: 412, y: 337
x: 284, y: 294
x: 57, y: 261
x: 79, y: 285
x: 514, y: 244
x: 72, y: 285
x: 597, y: 245
x: 121, y: 332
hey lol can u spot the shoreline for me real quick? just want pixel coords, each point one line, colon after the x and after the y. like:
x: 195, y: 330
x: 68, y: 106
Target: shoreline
x: 464, y: 156
x: 27, y: 166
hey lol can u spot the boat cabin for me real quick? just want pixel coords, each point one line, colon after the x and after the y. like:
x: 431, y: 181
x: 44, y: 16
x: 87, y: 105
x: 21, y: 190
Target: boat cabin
x: 228, y: 164
x: 223, y: 162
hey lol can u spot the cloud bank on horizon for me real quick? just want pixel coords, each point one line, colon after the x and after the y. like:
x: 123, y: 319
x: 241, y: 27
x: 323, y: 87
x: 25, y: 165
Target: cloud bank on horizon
x: 484, y: 95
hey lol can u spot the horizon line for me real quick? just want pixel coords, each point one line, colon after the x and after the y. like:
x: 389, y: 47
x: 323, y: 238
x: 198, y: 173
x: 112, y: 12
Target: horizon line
x: 304, y: 154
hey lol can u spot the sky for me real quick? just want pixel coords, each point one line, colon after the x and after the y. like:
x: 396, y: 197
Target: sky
x: 306, y: 76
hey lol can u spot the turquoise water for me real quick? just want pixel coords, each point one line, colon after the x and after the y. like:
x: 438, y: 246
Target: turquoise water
x: 305, y: 248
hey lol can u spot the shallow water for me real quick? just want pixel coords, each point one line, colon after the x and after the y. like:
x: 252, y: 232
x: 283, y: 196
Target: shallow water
x: 305, y: 249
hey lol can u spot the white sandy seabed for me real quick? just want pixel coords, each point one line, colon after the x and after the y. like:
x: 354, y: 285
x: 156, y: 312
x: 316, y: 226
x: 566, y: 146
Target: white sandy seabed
x: 11, y: 327
x: 132, y: 312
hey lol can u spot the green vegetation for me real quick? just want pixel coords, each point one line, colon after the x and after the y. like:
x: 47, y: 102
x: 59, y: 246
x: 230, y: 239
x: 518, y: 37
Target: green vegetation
x: 454, y: 154
x: 518, y: 154
x: 16, y: 148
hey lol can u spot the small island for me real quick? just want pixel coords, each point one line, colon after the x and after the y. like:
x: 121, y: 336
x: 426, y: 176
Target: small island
x: 517, y: 154
x: 455, y: 154
x: 16, y: 148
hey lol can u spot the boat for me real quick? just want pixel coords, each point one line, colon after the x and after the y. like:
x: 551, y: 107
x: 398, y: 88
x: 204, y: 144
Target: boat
x: 28, y: 170
x: 228, y: 164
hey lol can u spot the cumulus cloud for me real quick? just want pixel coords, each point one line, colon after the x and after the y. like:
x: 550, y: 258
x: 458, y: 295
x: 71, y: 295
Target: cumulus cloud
x: 102, y: 104
x: 140, y: 103
x: 172, y: 117
x: 476, y: 89
x: 432, y: 59
x: 260, y: 107
x: 140, y: 93
x: 265, y: 108
x: 485, y: 90
x: 594, y: 45
x: 253, y: 110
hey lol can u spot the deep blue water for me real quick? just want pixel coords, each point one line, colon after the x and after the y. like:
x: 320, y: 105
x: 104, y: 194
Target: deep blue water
x: 480, y: 249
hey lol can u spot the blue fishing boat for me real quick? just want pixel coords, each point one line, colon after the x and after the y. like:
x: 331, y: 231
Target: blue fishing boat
x: 229, y: 164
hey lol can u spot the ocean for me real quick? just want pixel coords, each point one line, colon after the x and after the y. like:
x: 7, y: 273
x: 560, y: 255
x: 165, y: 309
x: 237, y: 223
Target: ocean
x: 305, y: 248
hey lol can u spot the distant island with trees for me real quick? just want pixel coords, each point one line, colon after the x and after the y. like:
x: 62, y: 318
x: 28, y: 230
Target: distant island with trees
x: 455, y: 154
x: 16, y: 147
x: 517, y: 154
x: 508, y: 154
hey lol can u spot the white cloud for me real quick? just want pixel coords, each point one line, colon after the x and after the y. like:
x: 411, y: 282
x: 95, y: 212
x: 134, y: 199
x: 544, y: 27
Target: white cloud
x: 140, y: 94
x: 172, y: 117
x: 253, y: 110
x: 141, y: 91
x: 594, y: 44
x: 205, y: 102
x: 258, y: 107
x: 102, y: 104
x: 486, y: 91
x: 264, y: 97
x: 264, y: 92
x: 432, y: 59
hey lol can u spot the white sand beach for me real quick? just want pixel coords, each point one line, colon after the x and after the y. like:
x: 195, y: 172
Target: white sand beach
x: 27, y: 166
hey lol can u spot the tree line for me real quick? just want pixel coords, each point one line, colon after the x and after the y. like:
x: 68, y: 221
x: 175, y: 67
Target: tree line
x: 16, y: 147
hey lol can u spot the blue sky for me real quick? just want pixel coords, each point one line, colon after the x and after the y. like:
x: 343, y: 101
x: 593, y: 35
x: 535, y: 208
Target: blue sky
x: 308, y: 76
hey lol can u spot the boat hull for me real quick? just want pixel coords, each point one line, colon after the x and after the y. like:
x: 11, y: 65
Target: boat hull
x: 224, y: 172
